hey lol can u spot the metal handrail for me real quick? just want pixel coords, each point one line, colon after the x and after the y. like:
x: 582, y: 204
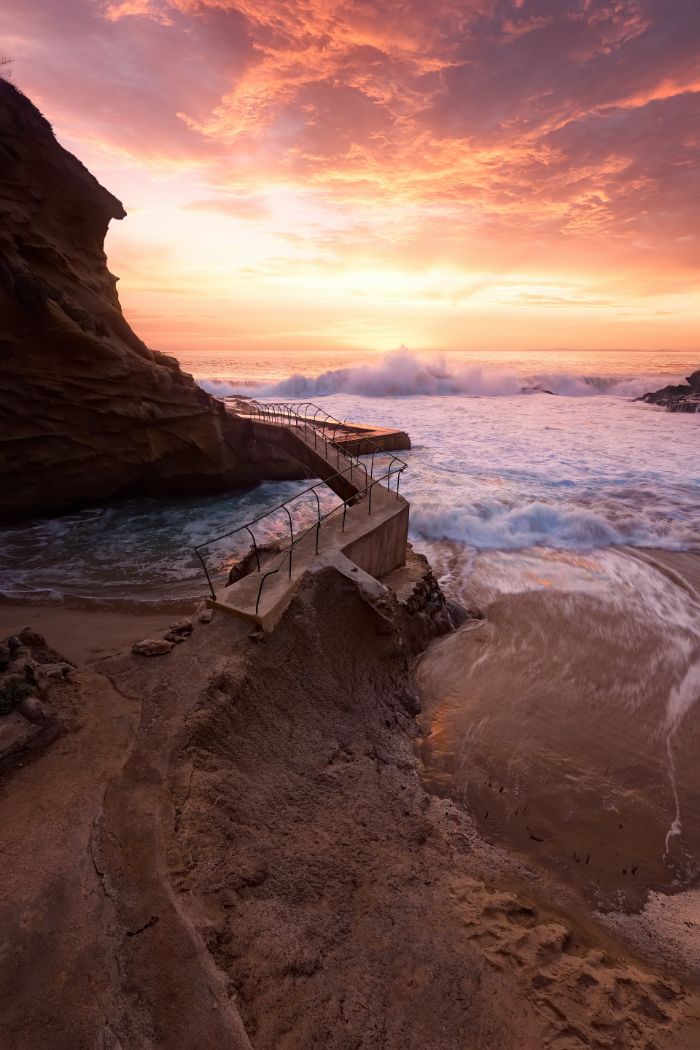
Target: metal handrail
x: 263, y: 410
x: 317, y: 526
x: 266, y: 514
x: 273, y: 408
x: 285, y: 412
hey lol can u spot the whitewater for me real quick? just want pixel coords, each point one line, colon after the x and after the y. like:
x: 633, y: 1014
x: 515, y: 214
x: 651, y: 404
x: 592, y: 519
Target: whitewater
x: 510, y: 455
x: 510, y: 452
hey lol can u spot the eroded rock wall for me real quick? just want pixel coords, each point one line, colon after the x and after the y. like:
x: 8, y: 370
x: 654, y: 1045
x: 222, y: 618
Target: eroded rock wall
x: 87, y: 411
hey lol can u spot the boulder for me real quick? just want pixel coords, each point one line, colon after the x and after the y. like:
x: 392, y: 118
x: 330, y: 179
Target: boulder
x: 32, y: 639
x: 13, y: 689
x: 249, y: 562
x: 679, y: 397
x: 152, y: 647
x: 33, y: 710
x: 56, y: 672
x: 182, y: 627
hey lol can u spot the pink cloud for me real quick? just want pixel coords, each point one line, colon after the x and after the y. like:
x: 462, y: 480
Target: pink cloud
x: 500, y: 133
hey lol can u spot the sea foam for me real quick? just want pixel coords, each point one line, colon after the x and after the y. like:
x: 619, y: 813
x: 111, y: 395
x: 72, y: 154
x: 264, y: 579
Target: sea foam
x: 404, y: 373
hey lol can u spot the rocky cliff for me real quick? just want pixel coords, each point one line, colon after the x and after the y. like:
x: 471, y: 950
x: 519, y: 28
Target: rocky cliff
x: 87, y: 411
x: 681, y: 397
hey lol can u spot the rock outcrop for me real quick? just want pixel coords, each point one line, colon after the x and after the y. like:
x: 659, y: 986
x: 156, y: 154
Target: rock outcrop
x: 87, y: 411
x: 233, y: 847
x: 682, y: 397
x: 30, y: 672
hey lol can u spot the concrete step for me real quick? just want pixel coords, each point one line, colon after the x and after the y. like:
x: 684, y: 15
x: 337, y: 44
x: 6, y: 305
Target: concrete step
x: 371, y: 531
x: 375, y: 542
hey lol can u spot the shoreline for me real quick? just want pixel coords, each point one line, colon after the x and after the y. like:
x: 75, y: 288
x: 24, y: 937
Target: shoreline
x: 560, y: 745
x: 681, y: 566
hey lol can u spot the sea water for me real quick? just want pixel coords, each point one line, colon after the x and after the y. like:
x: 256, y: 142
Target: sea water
x: 511, y: 452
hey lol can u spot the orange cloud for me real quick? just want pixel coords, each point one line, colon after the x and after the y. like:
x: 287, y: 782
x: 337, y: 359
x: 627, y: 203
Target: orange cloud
x: 401, y: 150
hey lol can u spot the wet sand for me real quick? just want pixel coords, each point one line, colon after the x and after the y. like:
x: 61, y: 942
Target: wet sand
x: 84, y: 635
x: 567, y: 724
x: 685, y: 565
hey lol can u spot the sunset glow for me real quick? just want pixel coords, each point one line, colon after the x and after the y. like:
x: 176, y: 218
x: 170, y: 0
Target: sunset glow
x: 330, y: 174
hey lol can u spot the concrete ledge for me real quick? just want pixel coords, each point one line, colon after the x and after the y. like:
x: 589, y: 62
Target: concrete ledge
x: 375, y: 543
x: 383, y: 548
x: 372, y: 532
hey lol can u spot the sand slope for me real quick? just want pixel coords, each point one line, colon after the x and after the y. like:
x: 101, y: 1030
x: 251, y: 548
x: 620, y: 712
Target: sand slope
x: 240, y: 852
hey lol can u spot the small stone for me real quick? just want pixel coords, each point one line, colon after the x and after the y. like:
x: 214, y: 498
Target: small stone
x: 13, y: 689
x: 32, y: 638
x: 18, y: 652
x: 206, y: 616
x: 26, y: 667
x: 182, y: 627
x: 55, y: 670
x: 171, y: 636
x: 33, y: 710
x: 152, y: 647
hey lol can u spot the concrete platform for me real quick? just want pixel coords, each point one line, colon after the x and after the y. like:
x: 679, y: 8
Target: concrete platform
x: 359, y: 438
x: 375, y: 542
x: 362, y: 438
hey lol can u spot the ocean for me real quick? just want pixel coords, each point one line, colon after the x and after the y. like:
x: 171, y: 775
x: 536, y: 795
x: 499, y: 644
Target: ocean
x: 512, y: 452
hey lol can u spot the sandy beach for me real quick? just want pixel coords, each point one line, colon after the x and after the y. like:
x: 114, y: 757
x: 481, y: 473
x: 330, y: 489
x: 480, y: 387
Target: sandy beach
x: 248, y: 824
x: 84, y: 635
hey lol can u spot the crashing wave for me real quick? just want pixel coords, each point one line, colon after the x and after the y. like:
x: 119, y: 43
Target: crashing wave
x: 493, y: 525
x: 403, y: 373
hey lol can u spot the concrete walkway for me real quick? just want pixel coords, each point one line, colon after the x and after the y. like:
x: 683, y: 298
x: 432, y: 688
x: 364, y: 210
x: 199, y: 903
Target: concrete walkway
x: 371, y: 530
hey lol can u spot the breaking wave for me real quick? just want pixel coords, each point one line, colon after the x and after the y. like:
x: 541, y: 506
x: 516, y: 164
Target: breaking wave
x: 404, y: 373
x: 492, y: 525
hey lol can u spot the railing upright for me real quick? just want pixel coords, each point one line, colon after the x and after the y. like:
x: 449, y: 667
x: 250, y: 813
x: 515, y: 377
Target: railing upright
x: 294, y: 414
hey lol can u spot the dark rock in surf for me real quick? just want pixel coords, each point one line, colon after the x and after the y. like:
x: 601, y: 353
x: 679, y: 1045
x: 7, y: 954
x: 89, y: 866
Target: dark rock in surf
x: 681, y: 397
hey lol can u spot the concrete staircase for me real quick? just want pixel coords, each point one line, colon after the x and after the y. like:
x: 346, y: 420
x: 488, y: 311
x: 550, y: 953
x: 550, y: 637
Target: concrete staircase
x: 369, y: 527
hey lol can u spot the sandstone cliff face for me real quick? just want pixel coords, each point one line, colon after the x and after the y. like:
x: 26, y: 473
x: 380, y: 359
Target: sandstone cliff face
x: 682, y: 397
x: 87, y: 411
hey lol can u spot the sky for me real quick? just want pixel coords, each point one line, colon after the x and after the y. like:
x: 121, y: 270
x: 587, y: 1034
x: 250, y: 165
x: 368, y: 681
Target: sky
x: 349, y: 174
